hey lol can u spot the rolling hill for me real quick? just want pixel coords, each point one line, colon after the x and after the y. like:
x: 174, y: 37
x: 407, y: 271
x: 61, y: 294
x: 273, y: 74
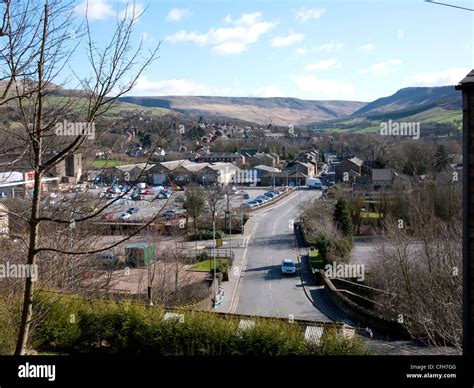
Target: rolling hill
x: 275, y: 110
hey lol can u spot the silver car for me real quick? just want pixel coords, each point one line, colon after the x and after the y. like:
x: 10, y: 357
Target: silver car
x: 288, y: 267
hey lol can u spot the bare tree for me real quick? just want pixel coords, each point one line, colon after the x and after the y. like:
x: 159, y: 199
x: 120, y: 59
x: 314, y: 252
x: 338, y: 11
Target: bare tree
x: 37, y: 43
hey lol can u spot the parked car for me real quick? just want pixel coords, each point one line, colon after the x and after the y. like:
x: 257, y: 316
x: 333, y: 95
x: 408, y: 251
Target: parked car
x: 107, y: 216
x: 137, y: 197
x: 245, y: 196
x: 263, y: 198
x: 133, y: 210
x: 125, y: 216
x: 111, y: 195
x: 270, y: 195
x: 169, y: 213
x: 288, y: 267
x: 251, y: 203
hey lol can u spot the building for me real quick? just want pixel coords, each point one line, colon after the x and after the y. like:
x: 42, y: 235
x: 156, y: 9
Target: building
x: 234, y: 158
x: 184, y: 171
x: 20, y: 184
x: 4, y: 225
x: 349, y: 169
x: 388, y: 178
x: 306, y: 169
x: 271, y: 160
x: 126, y: 173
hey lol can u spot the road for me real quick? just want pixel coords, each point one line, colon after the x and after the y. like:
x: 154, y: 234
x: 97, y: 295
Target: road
x: 262, y: 289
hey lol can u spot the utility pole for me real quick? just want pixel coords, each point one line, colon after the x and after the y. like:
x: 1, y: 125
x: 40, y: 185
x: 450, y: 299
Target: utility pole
x: 214, y: 254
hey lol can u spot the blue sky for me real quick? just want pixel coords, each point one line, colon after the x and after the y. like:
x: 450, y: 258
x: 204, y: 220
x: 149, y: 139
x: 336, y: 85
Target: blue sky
x: 344, y: 50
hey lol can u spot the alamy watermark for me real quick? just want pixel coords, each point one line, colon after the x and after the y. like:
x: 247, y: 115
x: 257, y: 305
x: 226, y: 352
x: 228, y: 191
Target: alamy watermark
x: 75, y: 128
x: 16, y: 271
x: 350, y: 271
x: 403, y: 128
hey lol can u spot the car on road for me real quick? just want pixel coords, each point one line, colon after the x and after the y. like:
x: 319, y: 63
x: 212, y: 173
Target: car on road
x: 169, y: 213
x: 288, y: 267
x: 133, y: 210
x: 125, y: 216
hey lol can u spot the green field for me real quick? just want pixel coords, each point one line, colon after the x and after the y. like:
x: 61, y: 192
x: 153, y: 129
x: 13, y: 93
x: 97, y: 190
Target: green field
x: 371, y: 215
x: 207, y: 265
x: 108, y: 163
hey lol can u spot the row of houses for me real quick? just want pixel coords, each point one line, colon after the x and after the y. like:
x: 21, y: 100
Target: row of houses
x: 180, y: 172
x: 354, y: 171
x: 184, y: 171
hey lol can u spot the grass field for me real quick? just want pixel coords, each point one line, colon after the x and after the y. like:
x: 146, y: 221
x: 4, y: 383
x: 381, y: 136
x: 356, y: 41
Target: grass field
x: 207, y: 265
x: 108, y: 163
x: 371, y: 215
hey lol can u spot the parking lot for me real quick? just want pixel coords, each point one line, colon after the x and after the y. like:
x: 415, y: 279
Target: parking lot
x: 150, y: 206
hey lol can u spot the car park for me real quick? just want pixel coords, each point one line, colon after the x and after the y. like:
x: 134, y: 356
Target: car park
x: 288, y: 267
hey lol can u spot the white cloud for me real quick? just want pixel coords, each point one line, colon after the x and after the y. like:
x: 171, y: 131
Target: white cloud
x: 132, y: 11
x: 229, y: 48
x: 401, y: 34
x: 367, y: 48
x: 245, y: 31
x: 331, y: 46
x: 382, y: 68
x: 450, y: 76
x: 147, y: 37
x: 95, y: 9
x: 267, y: 91
x: 287, y: 40
x: 305, y: 14
x: 301, y: 51
x: 176, y: 14
x: 323, y: 65
x: 173, y: 87
x: 315, y: 87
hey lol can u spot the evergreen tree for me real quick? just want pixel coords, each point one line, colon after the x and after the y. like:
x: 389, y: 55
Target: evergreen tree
x: 342, y: 217
x: 441, y: 158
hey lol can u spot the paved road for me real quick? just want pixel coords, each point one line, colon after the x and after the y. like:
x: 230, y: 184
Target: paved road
x: 263, y: 290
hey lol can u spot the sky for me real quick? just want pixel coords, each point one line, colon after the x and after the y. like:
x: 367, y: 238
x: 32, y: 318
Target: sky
x: 316, y: 50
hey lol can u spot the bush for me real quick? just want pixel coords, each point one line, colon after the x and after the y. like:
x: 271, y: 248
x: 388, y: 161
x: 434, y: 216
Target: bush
x: 205, y: 235
x: 341, y: 250
x: 323, y: 244
x: 129, y: 329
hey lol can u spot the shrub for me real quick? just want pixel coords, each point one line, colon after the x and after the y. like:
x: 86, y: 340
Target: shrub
x: 205, y: 235
x: 129, y: 329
